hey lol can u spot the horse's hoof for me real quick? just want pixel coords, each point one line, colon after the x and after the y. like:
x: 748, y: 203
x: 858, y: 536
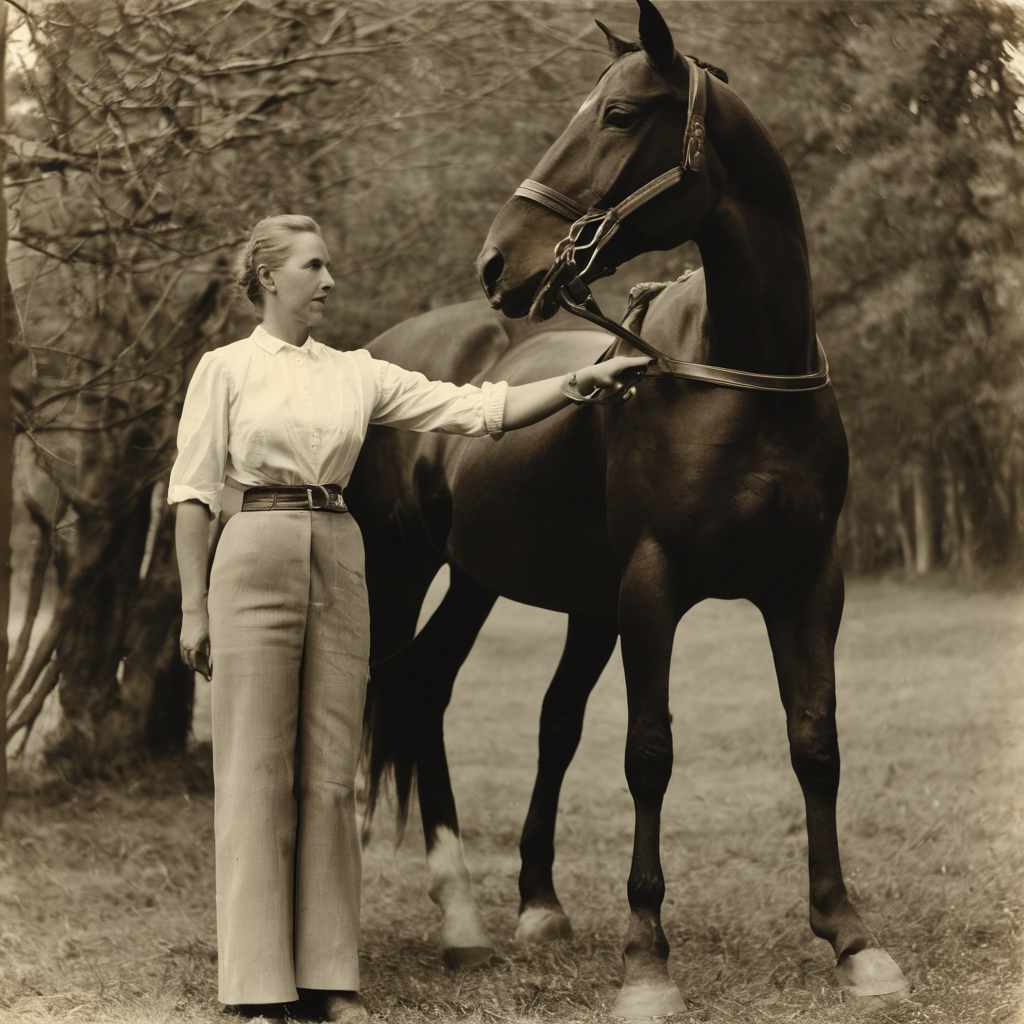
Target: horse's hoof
x: 467, y: 956
x: 538, y: 925
x: 651, y: 999
x: 872, y: 974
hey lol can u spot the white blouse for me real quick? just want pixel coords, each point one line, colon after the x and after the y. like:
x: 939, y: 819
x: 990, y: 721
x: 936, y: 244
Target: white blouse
x: 266, y: 413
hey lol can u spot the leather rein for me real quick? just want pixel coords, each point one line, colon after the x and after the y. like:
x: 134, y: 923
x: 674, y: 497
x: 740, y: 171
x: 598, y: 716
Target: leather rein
x: 572, y: 293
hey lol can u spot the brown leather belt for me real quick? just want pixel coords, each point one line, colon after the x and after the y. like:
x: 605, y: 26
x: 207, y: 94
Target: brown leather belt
x: 305, y: 498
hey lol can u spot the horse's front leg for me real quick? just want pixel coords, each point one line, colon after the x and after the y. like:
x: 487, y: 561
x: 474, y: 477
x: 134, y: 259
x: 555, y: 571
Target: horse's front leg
x: 648, y: 615
x: 802, y: 626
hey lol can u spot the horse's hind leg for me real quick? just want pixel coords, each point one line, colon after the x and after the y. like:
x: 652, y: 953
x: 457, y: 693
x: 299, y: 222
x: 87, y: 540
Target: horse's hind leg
x: 589, y: 643
x: 434, y: 659
x: 802, y: 626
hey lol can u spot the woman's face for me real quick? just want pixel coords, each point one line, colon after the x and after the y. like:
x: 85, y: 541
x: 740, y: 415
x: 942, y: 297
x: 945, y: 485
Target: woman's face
x: 299, y: 287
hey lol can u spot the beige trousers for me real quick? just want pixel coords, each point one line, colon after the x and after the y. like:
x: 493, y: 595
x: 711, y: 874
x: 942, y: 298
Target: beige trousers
x: 290, y: 638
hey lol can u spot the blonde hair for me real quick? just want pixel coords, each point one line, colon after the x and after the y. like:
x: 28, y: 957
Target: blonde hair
x: 269, y: 245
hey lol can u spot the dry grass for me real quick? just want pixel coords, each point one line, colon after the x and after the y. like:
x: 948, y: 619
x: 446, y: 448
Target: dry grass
x: 106, y: 893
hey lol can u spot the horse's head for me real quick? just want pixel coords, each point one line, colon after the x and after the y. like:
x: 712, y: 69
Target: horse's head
x: 629, y: 131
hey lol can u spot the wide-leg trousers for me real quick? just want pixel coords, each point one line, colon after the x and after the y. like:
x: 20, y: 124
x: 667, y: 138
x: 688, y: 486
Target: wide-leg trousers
x: 290, y: 638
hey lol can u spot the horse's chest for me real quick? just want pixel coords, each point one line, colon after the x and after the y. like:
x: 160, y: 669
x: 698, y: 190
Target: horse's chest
x: 717, y: 508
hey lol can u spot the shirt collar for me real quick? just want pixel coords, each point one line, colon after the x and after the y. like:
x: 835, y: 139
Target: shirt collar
x: 274, y: 345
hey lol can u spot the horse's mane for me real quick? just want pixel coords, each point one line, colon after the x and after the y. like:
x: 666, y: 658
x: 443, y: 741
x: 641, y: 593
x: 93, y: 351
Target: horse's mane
x: 710, y: 68
x: 636, y: 48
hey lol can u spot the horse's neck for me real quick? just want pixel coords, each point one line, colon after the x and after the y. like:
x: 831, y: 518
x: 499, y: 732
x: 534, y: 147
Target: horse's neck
x: 760, y: 313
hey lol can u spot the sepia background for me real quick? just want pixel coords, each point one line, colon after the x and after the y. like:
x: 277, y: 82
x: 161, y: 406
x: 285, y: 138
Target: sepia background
x: 143, y: 140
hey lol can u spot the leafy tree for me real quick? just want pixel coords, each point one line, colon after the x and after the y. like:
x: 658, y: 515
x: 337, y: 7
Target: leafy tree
x: 921, y: 280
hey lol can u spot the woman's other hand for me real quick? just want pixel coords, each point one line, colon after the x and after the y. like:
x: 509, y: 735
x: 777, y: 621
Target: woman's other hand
x: 195, y: 641
x: 192, y: 539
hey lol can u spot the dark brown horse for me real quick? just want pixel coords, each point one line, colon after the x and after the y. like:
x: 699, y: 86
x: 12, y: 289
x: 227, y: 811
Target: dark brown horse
x: 624, y: 516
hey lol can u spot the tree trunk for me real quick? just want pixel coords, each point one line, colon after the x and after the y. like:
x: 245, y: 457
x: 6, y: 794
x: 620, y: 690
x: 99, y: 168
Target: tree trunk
x: 952, y: 532
x: 968, y: 545
x: 6, y: 428
x: 1016, y: 478
x: 92, y: 649
x: 157, y: 689
x: 902, y: 533
x: 924, y: 520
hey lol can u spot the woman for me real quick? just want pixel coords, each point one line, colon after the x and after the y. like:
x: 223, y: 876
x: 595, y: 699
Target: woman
x: 285, y: 623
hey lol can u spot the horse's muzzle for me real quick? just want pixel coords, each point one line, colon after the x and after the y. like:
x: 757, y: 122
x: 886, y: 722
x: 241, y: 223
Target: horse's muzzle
x: 490, y: 265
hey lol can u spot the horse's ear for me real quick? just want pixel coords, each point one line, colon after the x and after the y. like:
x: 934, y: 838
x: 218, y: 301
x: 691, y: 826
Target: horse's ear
x: 655, y: 37
x: 615, y: 44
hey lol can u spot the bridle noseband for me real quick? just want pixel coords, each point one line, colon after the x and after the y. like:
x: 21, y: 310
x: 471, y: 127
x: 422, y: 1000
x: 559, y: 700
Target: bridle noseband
x: 565, y: 276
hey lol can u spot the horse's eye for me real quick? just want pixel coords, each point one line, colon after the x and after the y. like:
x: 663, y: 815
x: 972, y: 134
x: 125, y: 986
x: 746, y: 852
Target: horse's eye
x: 620, y: 117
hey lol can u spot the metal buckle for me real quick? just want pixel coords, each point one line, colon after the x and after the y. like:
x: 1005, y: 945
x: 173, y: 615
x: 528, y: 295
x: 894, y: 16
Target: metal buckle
x: 330, y: 500
x: 694, y: 145
x: 564, y: 270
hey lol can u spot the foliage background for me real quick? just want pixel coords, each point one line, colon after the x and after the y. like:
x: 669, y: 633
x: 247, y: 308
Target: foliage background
x: 145, y: 137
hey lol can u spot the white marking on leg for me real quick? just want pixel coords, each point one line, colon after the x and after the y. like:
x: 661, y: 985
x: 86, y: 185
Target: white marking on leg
x: 872, y: 974
x: 449, y: 887
x: 652, y: 997
x: 542, y: 924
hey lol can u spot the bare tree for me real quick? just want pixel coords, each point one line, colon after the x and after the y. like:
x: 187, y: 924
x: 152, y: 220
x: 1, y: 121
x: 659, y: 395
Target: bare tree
x: 6, y: 427
x: 148, y: 138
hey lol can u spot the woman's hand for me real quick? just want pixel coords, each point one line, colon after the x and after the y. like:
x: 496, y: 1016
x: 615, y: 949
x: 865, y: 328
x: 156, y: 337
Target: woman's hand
x: 192, y: 540
x: 195, y: 641
x: 619, y: 372
x: 528, y: 403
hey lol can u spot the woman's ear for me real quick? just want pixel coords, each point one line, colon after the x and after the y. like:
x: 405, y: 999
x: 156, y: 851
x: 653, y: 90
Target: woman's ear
x: 265, y: 278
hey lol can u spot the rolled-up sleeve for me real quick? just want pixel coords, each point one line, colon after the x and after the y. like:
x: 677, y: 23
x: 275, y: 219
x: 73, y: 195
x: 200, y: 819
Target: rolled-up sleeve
x: 406, y: 398
x: 199, y: 469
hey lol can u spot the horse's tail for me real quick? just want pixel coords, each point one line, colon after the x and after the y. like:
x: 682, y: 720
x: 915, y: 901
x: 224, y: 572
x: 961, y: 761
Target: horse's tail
x: 408, y: 693
x: 389, y: 737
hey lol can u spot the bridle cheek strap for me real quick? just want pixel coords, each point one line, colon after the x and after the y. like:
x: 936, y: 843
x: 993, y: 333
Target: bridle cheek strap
x: 693, y: 136
x: 606, y: 222
x: 693, y: 150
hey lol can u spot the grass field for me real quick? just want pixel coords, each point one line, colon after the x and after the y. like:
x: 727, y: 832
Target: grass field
x: 106, y: 890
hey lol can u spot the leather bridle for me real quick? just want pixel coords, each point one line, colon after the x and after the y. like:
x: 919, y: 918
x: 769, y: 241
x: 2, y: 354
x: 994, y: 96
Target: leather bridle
x: 565, y: 276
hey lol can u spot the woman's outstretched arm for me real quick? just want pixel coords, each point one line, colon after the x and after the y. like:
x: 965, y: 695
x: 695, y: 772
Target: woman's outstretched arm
x: 528, y: 403
x: 407, y: 398
x: 192, y: 540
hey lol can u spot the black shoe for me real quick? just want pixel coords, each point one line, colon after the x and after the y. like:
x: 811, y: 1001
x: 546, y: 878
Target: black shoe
x: 269, y: 1013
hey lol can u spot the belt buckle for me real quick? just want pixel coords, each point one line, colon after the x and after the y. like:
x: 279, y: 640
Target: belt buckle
x: 331, y: 500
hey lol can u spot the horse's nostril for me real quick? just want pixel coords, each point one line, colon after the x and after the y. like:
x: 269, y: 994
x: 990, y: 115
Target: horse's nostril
x: 492, y: 263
